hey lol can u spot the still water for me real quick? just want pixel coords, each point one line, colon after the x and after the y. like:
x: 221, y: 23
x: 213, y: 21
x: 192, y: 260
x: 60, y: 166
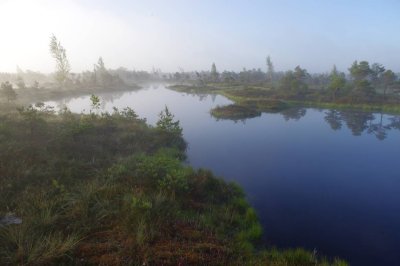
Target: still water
x: 320, y: 179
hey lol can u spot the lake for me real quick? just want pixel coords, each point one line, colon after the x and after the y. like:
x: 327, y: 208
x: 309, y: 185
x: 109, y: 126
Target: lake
x: 320, y: 179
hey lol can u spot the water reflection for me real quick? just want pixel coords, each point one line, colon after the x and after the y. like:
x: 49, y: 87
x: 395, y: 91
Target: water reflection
x: 294, y: 113
x: 201, y: 96
x: 359, y: 122
x: 333, y: 119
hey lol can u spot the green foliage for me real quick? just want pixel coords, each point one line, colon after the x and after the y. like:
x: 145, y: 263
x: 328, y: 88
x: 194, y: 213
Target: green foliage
x: 171, y: 131
x: 24, y: 246
x: 294, y: 257
x: 235, y: 112
x: 95, y: 102
x: 363, y: 90
x: 7, y: 91
x: 389, y: 79
x: 166, y: 123
x: 62, y: 65
x: 127, y: 113
x: 337, y: 82
x: 175, y: 181
x: 163, y: 171
x: 360, y: 71
x: 294, y: 81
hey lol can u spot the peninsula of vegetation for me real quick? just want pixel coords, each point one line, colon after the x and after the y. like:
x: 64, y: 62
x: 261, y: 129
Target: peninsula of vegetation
x: 366, y: 87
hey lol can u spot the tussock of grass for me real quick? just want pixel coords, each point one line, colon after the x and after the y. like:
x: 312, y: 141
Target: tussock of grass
x: 234, y: 112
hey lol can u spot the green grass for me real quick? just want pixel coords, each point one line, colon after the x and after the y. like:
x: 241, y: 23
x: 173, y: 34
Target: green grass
x: 234, y: 112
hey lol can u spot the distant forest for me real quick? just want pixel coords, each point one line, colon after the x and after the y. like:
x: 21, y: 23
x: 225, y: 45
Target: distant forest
x: 363, y: 81
x: 362, y: 78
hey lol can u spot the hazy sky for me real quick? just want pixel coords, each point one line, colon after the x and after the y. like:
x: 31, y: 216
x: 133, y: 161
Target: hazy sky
x: 191, y: 34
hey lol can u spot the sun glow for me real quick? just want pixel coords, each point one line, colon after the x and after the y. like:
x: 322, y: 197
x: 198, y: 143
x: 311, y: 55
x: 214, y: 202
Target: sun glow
x: 26, y: 27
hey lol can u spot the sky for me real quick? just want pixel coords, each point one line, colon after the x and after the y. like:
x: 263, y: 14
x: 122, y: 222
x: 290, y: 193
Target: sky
x: 172, y: 35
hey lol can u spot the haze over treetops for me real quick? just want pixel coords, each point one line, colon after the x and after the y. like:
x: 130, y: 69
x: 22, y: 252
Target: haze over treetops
x: 174, y: 35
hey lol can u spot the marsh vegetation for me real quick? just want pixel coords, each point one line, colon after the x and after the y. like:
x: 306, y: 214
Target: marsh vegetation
x: 105, y: 187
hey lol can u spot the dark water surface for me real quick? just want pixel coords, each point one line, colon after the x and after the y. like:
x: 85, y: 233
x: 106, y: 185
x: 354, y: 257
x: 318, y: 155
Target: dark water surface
x: 319, y: 179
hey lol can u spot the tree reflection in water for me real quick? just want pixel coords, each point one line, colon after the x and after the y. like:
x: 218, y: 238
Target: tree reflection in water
x: 359, y: 122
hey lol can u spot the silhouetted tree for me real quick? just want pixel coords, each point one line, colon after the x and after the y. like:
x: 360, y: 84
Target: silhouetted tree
x: 270, y: 69
x: 62, y: 65
x: 103, y: 77
x: 20, y: 83
x: 214, y: 73
x: 8, y: 91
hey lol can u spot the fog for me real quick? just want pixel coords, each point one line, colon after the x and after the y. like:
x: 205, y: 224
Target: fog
x: 190, y: 35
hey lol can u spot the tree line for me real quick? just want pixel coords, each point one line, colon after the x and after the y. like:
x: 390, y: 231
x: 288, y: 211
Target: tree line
x: 363, y: 81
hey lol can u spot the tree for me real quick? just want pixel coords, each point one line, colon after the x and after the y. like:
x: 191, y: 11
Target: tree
x: 95, y: 102
x: 227, y: 76
x: 8, y: 91
x: 377, y: 71
x: 360, y: 71
x: 300, y: 73
x: 295, y: 81
x: 270, y: 69
x: 62, y: 65
x: 166, y: 122
x: 337, y: 81
x: 20, y: 83
x: 102, y: 75
x: 35, y: 84
x: 364, y: 87
x: 389, y: 79
x: 214, y: 73
x: 171, y: 131
x: 100, y: 65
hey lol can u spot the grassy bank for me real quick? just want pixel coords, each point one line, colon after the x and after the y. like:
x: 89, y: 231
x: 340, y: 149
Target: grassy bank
x: 109, y: 189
